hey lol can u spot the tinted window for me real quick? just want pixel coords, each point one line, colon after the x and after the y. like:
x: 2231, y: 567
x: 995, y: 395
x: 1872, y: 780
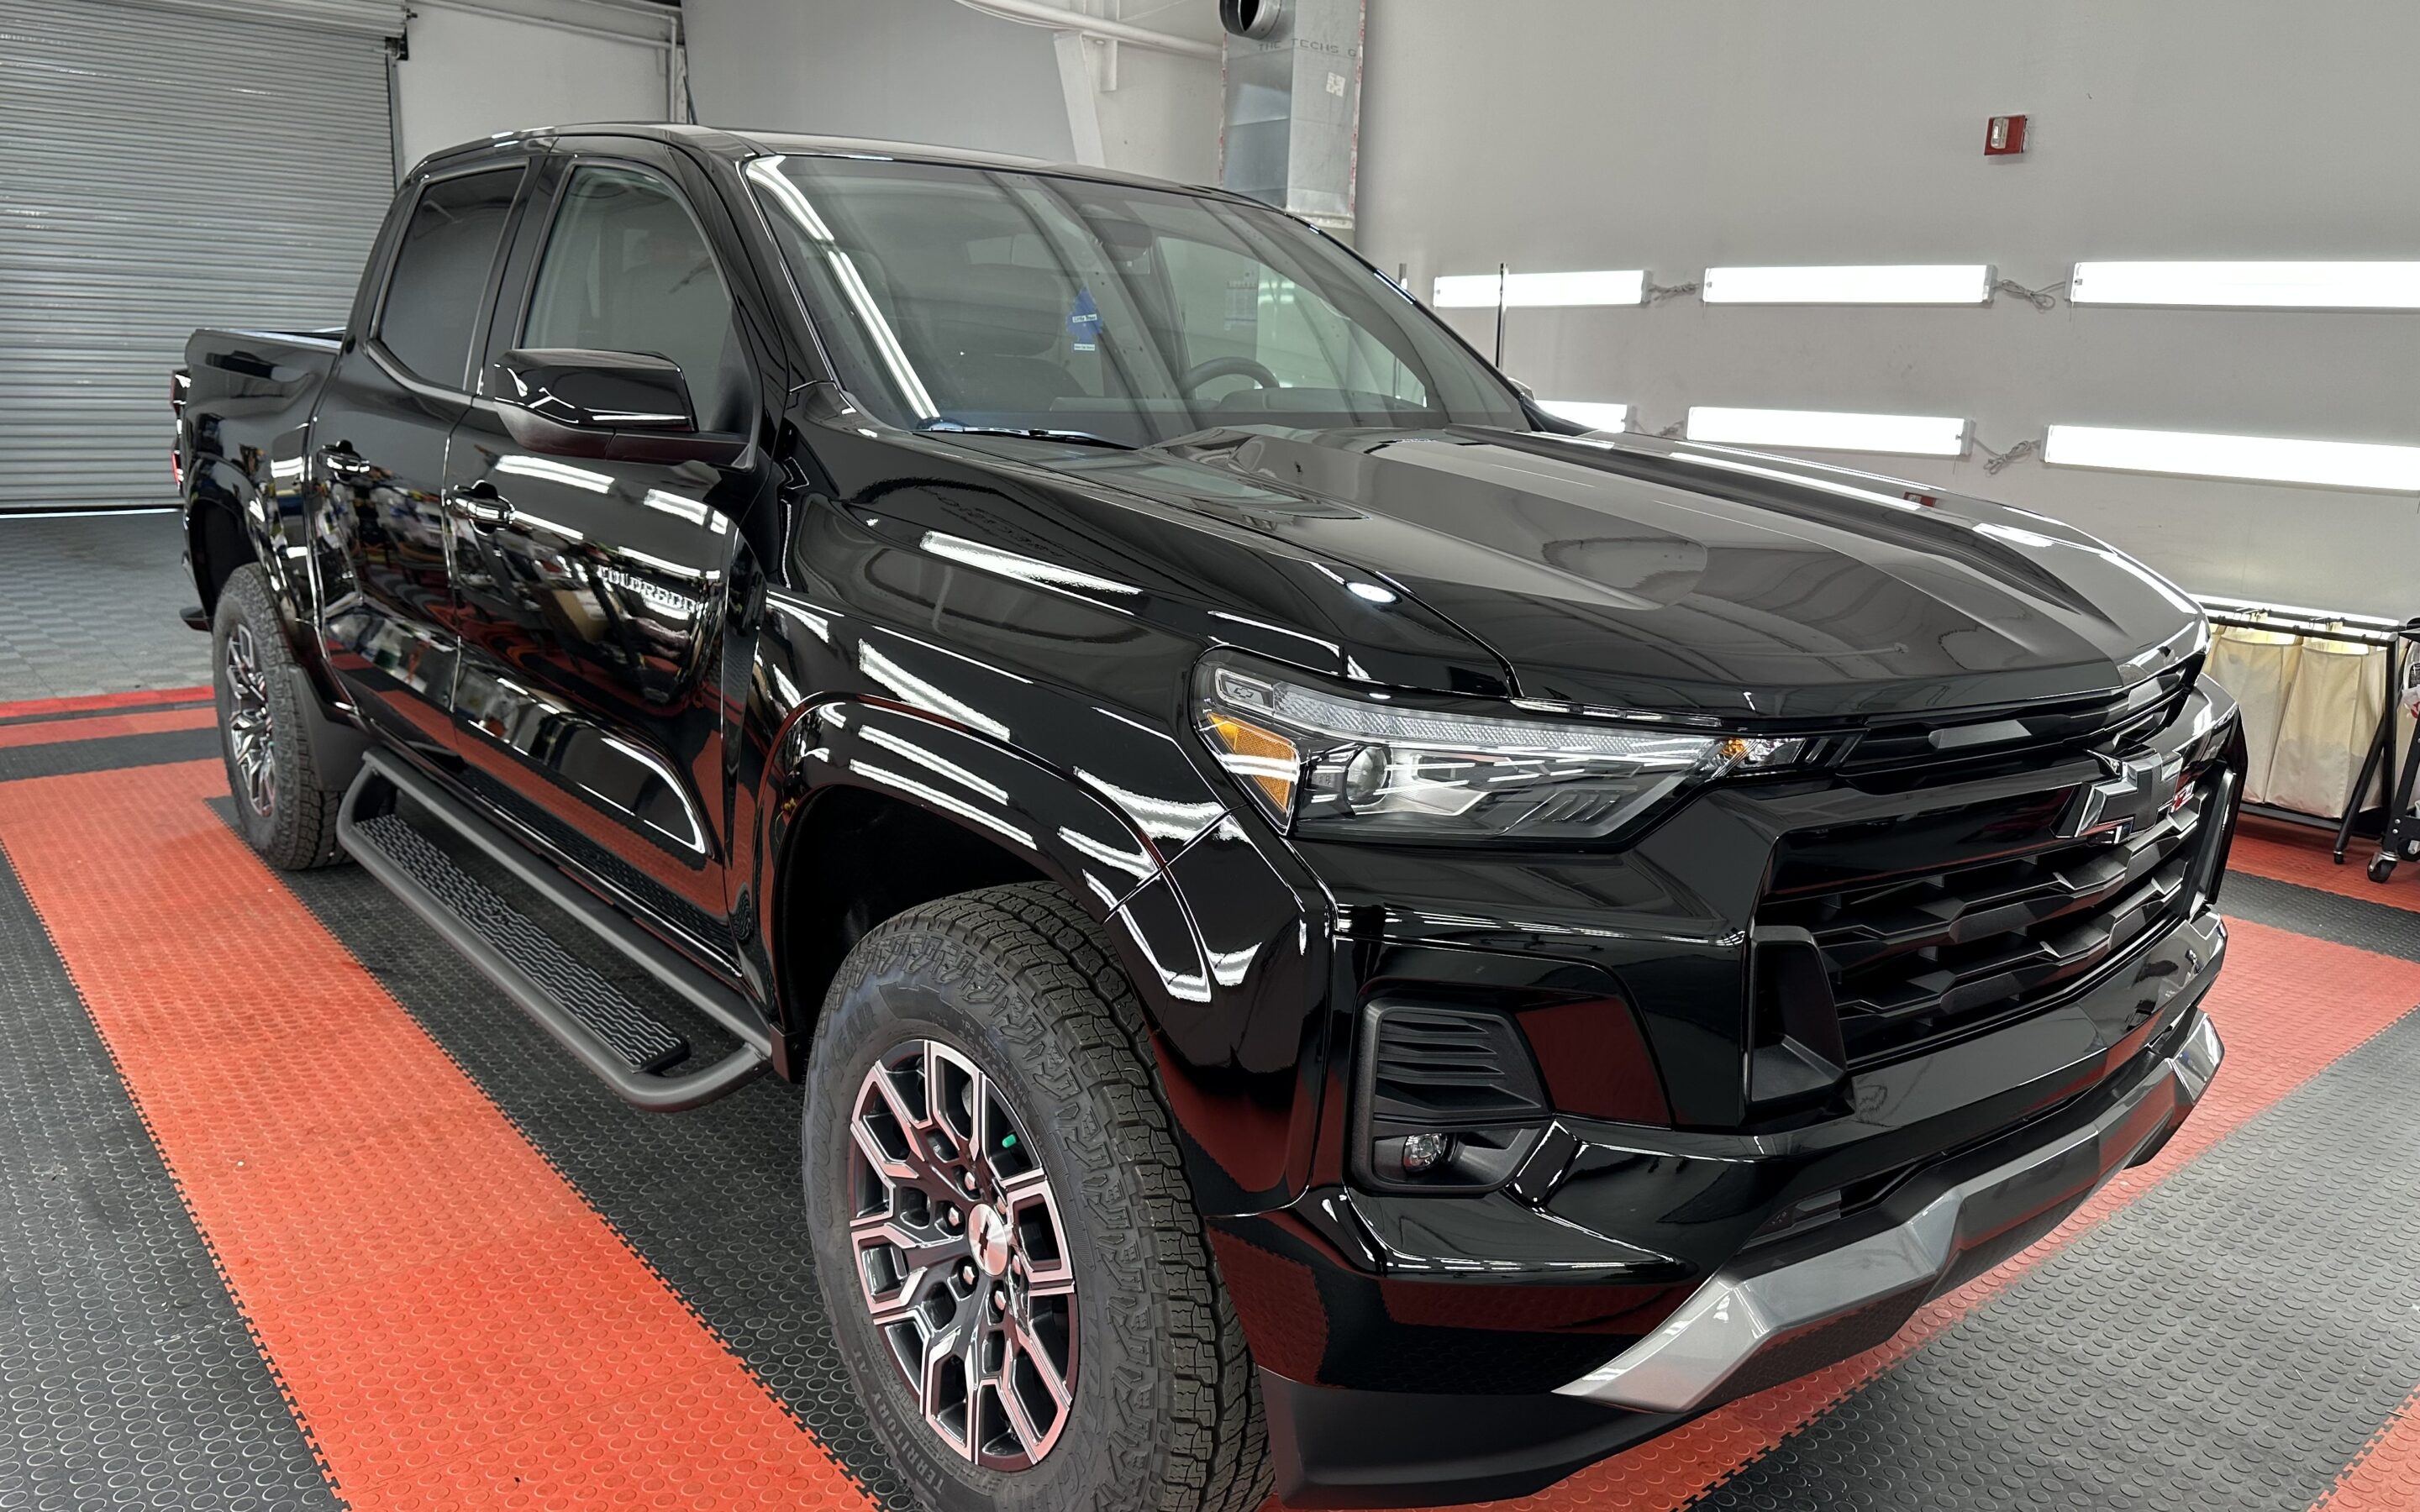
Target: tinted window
x: 981, y: 298
x: 441, y: 275
x: 628, y: 271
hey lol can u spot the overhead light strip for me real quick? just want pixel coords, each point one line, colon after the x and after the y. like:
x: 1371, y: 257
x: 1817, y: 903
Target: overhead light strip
x: 1831, y: 431
x: 1480, y: 291
x: 2250, y: 285
x: 1880, y: 283
x: 2253, y: 459
x: 1590, y: 413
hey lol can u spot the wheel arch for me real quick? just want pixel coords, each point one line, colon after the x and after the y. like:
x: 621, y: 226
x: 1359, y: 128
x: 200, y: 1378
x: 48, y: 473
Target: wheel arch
x: 882, y: 807
x: 1228, y: 957
x: 246, y: 510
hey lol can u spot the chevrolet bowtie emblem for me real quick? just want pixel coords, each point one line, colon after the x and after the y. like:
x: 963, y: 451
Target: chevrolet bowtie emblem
x: 2136, y: 792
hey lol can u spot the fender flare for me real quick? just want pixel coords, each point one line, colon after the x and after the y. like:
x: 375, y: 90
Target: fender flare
x: 1240, y: 1054
x: 1041, y: 815
x: 267, y: 500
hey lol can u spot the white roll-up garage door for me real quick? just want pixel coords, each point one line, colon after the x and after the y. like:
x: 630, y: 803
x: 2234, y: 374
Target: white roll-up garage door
x: 166, y: 164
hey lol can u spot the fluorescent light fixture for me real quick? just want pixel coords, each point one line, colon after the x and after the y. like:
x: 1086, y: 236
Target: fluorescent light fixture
x: 1887, y: 284
x: 2258, y: 459
x: 2276, y: 285
x: 1829, y: 431
x: 1588, y: 412
x: 1477, y: 291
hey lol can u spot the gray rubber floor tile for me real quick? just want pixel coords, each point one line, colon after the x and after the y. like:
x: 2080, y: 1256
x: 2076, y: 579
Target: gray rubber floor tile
x: 89, y: 604
x: 127, y: 1376
x: 2227, y: 1341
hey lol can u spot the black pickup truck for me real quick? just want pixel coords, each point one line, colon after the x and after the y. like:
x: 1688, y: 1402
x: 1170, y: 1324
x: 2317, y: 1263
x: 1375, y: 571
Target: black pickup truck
x: 1343, y: 934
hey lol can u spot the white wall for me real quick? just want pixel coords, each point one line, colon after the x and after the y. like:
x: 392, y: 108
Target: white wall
x: 905, y: 71
x: 1675, y: 134
x: 936, y: 71
x: 510, y: 64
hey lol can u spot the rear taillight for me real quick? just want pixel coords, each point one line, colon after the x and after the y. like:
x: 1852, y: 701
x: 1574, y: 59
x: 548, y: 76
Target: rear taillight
x: 180, y: 387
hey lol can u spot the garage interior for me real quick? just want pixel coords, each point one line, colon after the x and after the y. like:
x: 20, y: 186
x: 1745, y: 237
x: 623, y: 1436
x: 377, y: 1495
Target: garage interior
x: 297, y: 1210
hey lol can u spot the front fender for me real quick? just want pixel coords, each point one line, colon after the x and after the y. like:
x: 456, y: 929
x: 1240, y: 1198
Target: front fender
x: 1228, y: 959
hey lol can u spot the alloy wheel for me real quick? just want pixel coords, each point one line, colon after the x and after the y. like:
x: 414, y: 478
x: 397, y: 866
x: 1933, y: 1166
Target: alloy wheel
x: 961, y: 1256
x: 251, y: 732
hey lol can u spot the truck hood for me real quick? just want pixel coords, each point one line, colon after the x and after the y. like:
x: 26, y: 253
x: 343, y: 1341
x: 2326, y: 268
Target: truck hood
x: 1643, y: 574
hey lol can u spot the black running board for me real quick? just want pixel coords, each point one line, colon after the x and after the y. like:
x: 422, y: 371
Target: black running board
x: 616, y: 1039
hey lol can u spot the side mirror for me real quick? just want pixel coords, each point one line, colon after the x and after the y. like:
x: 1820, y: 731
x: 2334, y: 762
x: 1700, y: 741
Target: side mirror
x: 627, y: 405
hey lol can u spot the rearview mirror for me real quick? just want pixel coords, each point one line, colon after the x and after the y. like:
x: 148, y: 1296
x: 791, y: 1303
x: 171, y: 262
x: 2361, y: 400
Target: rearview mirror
x: 633, y: 406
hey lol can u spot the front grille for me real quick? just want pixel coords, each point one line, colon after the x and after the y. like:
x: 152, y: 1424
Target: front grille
x: 1897, y: 755
x: 1913, y: 959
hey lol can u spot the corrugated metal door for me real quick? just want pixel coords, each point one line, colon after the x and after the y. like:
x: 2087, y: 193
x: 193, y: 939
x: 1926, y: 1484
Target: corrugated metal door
x: 165, y: 166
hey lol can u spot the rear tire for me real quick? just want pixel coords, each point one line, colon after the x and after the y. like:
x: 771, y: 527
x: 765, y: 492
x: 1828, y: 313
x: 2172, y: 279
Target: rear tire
x: 279, y: 806
x: 1017, y: 984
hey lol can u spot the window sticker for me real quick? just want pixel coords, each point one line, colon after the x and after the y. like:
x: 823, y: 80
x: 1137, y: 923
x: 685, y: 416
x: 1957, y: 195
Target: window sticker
x: 1084, y: 323
x: 1243, y: 303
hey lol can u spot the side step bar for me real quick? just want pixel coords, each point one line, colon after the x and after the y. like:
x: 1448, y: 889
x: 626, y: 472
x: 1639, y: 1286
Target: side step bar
x: 625, y: 1047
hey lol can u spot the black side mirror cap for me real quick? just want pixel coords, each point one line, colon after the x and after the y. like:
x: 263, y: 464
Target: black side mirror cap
x: 627, y: 405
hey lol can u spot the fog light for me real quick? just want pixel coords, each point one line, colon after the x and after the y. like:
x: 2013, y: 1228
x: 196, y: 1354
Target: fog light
x: 1421, y: 1152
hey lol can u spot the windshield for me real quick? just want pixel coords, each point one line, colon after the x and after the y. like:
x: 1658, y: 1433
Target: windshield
x: 991, y: 298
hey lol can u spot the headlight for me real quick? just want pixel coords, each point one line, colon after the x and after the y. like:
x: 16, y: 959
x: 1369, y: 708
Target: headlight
x: 1364, y: 766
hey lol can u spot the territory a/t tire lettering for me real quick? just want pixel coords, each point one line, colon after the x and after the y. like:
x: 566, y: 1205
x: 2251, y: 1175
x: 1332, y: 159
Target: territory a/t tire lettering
x: 1003, y: 1233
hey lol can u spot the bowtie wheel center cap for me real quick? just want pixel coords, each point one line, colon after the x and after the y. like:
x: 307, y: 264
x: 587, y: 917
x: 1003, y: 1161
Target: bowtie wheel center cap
x: 987, y: 1240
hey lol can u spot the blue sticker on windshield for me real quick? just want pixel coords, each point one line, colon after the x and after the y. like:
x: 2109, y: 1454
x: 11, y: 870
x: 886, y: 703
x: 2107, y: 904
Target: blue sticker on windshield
x: 1084, y: 323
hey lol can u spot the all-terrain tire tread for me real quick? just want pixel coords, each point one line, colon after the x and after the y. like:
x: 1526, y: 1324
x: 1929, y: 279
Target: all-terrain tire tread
x: 1039, y: 936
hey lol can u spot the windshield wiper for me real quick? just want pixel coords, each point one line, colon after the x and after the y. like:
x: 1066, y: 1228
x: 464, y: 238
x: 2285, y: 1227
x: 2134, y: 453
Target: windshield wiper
x: 1030, y: 433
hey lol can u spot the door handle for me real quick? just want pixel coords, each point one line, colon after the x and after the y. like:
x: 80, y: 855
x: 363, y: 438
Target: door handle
x: 481, y: 504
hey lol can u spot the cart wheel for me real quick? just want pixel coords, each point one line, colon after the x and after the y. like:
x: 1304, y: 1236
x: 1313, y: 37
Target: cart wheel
x: 2381, y: 868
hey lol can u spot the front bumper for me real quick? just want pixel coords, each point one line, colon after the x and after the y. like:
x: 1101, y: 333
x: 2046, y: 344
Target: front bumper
x: 1751, y: 1324
x: 1780, y: 1310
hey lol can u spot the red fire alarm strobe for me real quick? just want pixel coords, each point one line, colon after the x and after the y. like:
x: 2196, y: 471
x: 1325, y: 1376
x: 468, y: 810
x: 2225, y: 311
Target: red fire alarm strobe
x: 2005, y: 137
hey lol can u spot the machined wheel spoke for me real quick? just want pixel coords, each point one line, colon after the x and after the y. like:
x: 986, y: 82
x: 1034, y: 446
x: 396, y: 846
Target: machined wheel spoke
x: 1023, y: 1342
x: 1059, y: 1281
x: 921, y: 1251
x: 888, y: 1166
x: 957, y: 1241
x: 1031, y: 1437
x: 941, y: 1351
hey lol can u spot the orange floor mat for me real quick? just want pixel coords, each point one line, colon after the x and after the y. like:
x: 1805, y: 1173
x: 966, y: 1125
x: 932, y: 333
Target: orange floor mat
x: 140, y: 697
x: 2274, y: 1042
x: 2387, y: 1477
x: 2291, y: 852
x: 454, y: 1325
x: 104, y: 726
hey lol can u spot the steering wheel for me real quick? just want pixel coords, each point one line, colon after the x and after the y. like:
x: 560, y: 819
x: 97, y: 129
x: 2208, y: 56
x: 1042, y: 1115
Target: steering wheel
x: 1219, y: 367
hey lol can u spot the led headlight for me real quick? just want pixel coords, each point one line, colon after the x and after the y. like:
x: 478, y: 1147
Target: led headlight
x: 1365, y: 766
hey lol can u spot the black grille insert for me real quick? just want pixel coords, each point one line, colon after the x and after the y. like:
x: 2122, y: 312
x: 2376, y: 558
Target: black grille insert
x: 1912, y: 958
x: 1894, y: 756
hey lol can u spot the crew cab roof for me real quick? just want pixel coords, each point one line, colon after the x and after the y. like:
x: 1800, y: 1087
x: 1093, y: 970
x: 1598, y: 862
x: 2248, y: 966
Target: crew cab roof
x: 738, y: 145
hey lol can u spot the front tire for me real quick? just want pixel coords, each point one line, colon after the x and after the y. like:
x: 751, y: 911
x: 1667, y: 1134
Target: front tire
x: 282, y: 810
x: 1000, y: 1016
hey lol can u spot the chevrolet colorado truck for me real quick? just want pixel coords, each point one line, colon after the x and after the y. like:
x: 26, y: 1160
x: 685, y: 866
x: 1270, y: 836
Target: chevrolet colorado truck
x: 1343, y: 935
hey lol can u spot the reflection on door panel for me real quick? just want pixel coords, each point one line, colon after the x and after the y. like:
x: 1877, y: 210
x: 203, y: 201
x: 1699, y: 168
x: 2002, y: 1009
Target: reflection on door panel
x: 590, y: 590
x: 592, y: 654
x: 629, y: 629
x: 387, y: 608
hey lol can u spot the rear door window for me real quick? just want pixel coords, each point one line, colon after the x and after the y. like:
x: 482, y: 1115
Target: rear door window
x: 440, y: 280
